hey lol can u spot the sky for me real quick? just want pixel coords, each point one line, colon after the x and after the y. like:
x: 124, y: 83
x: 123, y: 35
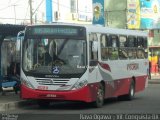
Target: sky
x: 17, y: 11
x: 13, y: 9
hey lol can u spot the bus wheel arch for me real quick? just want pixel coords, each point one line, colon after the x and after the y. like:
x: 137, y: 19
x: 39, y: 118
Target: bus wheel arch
x: 100, y: 95
x: 131, y: 91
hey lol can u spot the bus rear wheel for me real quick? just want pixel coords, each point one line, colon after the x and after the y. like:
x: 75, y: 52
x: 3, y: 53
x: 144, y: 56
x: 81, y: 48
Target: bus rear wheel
x: 131, y: 93
x: 100, y: 97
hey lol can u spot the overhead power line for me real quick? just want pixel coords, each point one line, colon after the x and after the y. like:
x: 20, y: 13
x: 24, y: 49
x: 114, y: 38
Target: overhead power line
x: 38, y: 7
x: 19, y: 19
x: 5, y: 7
x: 9, y: 5
x: 31, y: 13
x: 26, y: 12
x: 14, y: 18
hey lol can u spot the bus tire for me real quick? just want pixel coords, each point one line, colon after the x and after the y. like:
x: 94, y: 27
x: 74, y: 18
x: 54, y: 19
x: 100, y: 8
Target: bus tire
x: 43, y: 103
x: 130, y: 95
x: 99, y: 97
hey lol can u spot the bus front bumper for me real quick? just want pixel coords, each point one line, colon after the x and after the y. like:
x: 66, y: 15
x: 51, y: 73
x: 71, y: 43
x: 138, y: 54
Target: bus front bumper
x: 86, y: 94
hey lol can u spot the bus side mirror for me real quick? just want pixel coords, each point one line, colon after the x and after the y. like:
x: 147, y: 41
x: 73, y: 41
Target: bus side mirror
x: 94, y: 46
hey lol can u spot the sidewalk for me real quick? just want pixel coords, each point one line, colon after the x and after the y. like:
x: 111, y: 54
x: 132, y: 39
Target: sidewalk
x: 11, y: 101
x: 155, y: 79
x: 8, y: 101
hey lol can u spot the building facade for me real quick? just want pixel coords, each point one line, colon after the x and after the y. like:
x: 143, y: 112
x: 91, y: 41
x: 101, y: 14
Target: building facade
x: 73, y: 11
x: 139, y: 15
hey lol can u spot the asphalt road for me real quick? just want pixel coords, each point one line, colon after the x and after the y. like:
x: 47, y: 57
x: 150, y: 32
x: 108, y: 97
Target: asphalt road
x: 146, y: 102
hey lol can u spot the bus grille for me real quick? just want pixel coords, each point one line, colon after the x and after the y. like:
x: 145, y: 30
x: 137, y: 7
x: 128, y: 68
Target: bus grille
x: 49, y: 81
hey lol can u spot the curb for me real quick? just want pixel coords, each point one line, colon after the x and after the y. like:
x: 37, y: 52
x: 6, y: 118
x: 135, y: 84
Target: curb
x: 154, y: 82
x: 4, y: 107
x: 9, y: 106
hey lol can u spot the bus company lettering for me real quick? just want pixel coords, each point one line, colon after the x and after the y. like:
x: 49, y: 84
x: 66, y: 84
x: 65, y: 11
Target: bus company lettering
x: 83, y: 67
x: 133, y: 66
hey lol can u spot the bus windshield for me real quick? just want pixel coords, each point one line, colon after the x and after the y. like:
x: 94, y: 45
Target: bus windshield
x: 53, y: 56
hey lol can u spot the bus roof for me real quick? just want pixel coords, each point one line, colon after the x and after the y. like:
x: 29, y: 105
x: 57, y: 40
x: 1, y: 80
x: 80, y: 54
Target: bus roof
x: 101, y: 29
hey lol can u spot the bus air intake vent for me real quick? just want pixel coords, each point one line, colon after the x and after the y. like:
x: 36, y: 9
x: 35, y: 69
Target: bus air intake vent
x: 50, y: 81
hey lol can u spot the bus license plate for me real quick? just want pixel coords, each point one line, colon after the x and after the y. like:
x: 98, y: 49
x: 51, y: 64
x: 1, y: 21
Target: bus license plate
x: 42, y: 87
x: 51, y: 95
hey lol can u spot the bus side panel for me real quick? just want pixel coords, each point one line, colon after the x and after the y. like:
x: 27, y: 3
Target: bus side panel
x: 140, y: 83
x: 93, y: 87
x: 109, y: 89
x: 122, y: 86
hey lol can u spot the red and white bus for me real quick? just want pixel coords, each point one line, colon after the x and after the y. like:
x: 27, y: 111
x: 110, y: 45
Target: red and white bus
x: 70, y: 62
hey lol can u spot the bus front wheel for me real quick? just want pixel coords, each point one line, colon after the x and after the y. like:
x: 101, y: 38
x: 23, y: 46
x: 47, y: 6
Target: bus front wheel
x: 99, y: 97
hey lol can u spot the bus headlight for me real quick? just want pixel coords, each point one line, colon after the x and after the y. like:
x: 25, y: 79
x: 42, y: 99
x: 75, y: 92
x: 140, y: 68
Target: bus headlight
x: 27, y: 84
x: 80, y: 84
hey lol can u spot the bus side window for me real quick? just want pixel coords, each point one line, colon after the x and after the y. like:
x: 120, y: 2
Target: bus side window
x: 114, y: 41
x: 113, y: 53
x: 104, y: 41
x: 145, y: 43
x: 93, y: 54
x: 123, y: 53
x: 104, y: 53
x: 104, y: 48
x: 113, y: 49
x: 122, y: 47
x: 140, y: 54
x: 140, y: 42
x: 132, y: 44
x: 131, y: 41
x: 122, y: 41
x: 132, y: 54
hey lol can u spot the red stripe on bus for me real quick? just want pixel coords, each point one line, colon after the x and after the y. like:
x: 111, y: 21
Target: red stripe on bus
x: 105, y: 66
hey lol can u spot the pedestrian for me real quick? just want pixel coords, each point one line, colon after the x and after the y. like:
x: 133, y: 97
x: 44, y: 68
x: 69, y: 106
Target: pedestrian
x: 1, y: 86
x: 158, y: 63
x: 149, y: 72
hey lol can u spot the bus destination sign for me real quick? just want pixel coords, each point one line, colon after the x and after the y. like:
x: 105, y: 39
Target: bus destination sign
x: 54, y: 31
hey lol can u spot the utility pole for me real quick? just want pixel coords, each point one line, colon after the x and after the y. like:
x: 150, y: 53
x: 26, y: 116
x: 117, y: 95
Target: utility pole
x: 15, y: 13
x: 106, y: 18
x: 31, y: 13
x: 77, y: 7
